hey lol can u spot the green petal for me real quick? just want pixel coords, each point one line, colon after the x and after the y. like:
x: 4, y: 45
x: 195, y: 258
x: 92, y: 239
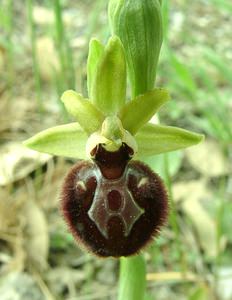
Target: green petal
x: 66, y: 140
x: 139, y: 111
x: 109, y: 86
x: 87, y: 115
x: 155, y: 139
x: 96, y: 50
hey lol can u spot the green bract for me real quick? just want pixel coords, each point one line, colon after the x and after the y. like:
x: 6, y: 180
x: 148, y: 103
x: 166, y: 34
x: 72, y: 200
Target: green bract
x: 138, y: 23
x: 107, y: 118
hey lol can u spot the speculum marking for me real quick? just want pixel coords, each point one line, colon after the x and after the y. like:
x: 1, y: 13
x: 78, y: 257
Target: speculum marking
x: 106, y: 205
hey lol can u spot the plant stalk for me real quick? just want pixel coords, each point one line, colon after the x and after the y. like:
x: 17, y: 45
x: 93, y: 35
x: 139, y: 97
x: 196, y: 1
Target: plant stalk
x: 132, y: 281
x: 37, y: 78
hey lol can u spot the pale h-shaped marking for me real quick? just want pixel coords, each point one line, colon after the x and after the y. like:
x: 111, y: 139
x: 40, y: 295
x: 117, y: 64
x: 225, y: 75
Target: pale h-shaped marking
x: 100, y: 213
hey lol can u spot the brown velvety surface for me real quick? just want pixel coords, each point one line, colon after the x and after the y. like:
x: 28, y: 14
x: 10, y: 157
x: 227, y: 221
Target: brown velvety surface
x: 80, y: 187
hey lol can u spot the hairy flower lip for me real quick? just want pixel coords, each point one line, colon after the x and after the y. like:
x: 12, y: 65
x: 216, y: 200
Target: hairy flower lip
x: 150, y: 196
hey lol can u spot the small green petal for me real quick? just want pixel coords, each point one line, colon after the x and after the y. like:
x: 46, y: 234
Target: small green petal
x: 109, y: 86
x: 139, y: 111
x: 96, y: 50
x: 87, y: 115
x: 155, y: 139
x: 67, y: 140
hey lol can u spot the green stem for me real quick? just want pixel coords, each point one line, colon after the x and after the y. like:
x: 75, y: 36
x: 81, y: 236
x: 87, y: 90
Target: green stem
x: 34, y: 54
x: 60, y: 37
x: 63, y: 48
x: 66, y: 77
x: 132, y: 281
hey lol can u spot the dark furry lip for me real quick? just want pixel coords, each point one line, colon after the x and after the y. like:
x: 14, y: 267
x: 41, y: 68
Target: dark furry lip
x: 113, y: 206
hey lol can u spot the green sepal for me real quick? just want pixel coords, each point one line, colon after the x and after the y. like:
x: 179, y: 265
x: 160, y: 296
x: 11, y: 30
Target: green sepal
x: 139, y: 111
x: 109, y: 85
x: 67, y: 140
x: 96, y: 50
x: 86, y: 114
x: 155, y: 139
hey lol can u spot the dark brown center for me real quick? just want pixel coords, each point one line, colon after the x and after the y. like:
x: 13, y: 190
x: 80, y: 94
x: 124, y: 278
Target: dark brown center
x: 114, y: 200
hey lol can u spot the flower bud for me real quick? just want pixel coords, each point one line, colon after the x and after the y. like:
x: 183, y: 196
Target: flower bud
x: 138, y: 23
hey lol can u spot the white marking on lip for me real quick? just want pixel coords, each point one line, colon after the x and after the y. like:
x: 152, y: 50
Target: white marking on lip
x: 142, y: 182
x: 81, y: 184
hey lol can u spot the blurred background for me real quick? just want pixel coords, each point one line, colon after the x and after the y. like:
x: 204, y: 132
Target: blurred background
x: 43, y: 51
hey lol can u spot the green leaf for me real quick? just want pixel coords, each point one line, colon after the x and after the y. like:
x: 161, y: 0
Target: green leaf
x: 65, y: 140
x: 139, y: 111
x: 132, y: 278
x: 96, y: 50
x: 155, y: 139
x: 87, y: 115
x: 109, y: 86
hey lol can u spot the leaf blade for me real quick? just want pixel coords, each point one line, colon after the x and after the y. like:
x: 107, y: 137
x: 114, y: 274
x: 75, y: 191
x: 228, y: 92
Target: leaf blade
x: 156, y: 139
x: 87, y: 115
x: 67, y: 140
x: 109, y: 86
x: 139, y: 111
